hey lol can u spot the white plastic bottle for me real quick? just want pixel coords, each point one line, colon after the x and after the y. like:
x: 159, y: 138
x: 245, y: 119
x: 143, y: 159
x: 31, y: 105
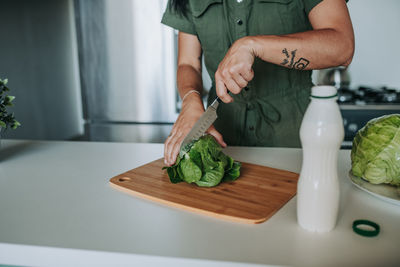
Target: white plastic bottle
x: 321, y: 135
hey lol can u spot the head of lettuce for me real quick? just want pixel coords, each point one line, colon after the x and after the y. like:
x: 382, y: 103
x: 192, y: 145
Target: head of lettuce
x: 375, y: 155
x: 204, y: 164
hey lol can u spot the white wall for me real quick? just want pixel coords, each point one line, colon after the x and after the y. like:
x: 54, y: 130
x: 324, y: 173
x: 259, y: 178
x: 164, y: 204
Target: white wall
x: 376, y: 60
x: 38, y: 55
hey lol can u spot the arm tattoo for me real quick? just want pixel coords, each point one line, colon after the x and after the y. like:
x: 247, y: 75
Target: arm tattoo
x: 300, y: 64
x: 293, y: 53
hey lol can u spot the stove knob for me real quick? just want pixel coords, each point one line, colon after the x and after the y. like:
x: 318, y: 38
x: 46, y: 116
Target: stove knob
x: 353, y: 127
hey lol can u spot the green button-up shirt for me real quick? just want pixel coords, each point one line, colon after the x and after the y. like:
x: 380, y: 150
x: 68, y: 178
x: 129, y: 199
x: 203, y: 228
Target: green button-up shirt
x: 270, y: 112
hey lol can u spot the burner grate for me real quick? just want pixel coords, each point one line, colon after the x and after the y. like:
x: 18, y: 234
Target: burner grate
x: 368, y: 95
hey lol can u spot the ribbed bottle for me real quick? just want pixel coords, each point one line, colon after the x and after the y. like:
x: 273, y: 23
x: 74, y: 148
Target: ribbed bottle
x: 321, y: 135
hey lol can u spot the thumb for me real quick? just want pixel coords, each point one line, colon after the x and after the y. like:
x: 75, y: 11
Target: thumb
x: 217, y: 136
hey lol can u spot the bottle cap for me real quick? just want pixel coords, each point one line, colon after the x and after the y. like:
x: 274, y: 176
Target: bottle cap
x: 323, y: 91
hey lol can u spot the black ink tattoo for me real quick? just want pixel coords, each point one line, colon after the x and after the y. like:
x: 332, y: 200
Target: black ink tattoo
x: 300, y: 64
x: 293, y: 53
x: 285, y: 60
x: 285, y: 52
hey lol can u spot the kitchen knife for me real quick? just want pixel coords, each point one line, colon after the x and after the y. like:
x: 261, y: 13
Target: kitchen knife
x: 201, y: 126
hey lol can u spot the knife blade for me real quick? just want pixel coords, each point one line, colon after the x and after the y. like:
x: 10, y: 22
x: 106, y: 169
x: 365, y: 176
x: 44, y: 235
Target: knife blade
x: 201, y: 126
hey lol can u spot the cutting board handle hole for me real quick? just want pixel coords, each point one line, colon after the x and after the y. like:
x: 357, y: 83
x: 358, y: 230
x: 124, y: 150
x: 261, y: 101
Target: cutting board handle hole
x: 124, y: 179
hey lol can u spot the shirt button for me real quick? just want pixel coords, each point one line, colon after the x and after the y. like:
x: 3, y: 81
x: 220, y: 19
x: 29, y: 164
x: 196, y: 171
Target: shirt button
x: 250, y: 106
x: 239, y: 22
x: 251, y: 128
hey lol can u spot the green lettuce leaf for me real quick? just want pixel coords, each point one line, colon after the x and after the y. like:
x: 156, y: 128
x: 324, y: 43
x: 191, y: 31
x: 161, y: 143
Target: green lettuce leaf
x: 204, y: 164
x: 212, y: 177
x: 190, y: 171
x: 232, y: 173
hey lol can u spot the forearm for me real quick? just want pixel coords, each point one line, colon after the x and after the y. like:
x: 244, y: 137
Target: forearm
x: 314, y: 49
x: 189, y: 78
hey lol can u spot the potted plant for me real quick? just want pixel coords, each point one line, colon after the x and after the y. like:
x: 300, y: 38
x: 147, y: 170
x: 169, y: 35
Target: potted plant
x: 7, y: 119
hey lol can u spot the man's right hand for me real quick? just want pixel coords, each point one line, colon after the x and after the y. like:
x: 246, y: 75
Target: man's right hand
x: 192, y: 109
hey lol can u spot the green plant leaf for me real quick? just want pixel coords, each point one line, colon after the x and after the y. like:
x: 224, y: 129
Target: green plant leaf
x: 15, y: 125
x: 6, y: 119
x: 7, y: 100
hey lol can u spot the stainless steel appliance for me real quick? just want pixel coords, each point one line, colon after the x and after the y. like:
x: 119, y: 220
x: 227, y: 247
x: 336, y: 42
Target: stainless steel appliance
x: 127, y: 69
x: 362, y: 104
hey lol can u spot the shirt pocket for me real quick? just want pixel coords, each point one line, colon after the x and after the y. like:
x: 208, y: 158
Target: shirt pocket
x: 278, y: 17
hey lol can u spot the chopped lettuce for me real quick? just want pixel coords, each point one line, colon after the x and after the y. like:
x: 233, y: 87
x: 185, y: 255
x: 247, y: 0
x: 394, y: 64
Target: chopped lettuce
x: 204, y: 164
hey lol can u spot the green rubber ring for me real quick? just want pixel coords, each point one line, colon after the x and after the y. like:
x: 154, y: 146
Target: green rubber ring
x: 363, y: 232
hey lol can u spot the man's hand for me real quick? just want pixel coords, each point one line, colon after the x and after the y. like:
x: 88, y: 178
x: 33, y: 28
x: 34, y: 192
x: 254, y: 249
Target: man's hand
x: 192, y: 109
x: 235, y: 70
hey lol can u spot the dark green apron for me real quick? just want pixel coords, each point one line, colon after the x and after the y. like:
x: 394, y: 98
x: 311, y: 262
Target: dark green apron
x: 270, y: 112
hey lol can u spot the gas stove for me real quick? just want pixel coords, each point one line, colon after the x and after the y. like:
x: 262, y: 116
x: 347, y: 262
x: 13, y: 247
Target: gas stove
x: 368, y: 95
x: 360, y: 105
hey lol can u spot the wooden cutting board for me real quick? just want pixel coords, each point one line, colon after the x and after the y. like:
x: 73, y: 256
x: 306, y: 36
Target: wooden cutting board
x: 253, y: 198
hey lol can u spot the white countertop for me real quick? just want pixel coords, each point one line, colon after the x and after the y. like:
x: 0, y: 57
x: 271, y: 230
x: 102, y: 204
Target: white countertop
x: 57, y: 208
